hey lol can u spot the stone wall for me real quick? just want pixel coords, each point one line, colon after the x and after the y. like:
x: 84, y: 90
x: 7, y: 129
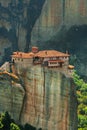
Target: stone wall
x: 21, y: 63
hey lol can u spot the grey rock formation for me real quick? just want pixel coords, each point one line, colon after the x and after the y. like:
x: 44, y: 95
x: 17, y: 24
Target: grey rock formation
x: 11, y: 97
x: 57, y: 14
x: 50, y: 101
x: 46, y: 99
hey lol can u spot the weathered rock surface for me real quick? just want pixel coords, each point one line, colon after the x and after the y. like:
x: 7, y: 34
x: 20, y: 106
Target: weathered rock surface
x: 47, y: 99
x: 50, y: 100
x: 57, y: 14
x: 11, y: 97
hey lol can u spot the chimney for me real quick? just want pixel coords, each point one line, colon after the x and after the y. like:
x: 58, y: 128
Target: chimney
x: 34, y: 49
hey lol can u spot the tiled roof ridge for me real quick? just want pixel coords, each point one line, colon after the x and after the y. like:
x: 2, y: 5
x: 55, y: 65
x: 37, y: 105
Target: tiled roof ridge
x: 42, y: 53
x: 50, y: 52
x: 23, y: 54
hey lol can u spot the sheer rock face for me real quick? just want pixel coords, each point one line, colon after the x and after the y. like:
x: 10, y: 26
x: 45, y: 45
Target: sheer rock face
x: 57, y: 14
x: 11, y: 98
x: 50, y: 101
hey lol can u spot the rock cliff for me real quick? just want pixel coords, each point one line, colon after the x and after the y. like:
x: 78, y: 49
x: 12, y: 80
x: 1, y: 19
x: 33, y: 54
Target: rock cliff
x: 11, y: 97
x: 50, y: 101
x: 44, y: 98
x: 55, y: 16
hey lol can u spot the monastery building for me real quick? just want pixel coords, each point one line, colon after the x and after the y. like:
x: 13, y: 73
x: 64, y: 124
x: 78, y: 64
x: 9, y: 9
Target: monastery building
x: 45, y: 58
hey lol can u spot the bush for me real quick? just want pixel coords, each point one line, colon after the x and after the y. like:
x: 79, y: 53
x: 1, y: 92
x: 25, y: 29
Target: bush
x: 81, y: 88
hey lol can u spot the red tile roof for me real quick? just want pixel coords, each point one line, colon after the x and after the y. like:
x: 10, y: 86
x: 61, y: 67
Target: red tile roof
x: 22, y: 55
x: 51, y: 53
x: 44, y: 53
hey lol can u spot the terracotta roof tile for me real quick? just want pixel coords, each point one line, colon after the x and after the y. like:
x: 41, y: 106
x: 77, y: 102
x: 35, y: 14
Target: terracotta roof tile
x: 44, y: 53
x: 22, y: 55
x: 51, y: 53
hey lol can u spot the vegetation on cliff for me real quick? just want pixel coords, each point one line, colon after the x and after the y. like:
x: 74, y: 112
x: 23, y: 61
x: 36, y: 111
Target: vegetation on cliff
x: 82, y: 102
x: 7, y: 123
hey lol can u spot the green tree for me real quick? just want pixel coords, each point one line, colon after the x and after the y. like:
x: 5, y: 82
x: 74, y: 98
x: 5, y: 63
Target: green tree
x: 81, y: 88
x: 13, y: 126
x: 1, y: 125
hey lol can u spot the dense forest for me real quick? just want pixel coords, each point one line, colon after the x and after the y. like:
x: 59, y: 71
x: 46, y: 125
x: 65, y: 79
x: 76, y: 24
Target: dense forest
x: 81, y: 91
